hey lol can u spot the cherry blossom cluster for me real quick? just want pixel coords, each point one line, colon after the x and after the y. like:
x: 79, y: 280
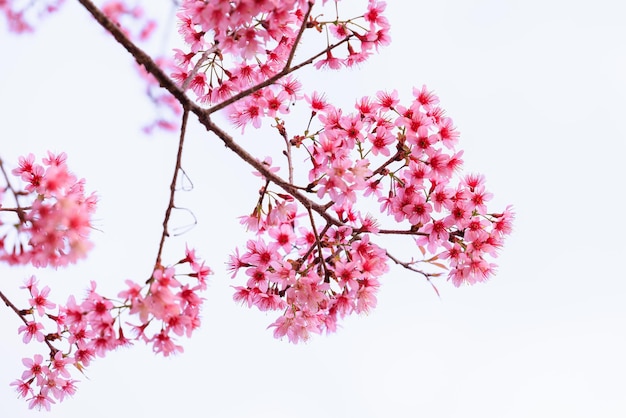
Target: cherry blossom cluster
x: 23, y: 15
x: 384, y: 168
x: 52, y: 215
x: 235, y: 45
x: 157, y: 313
x: 400, y: 156
x: 404, y: 156
x: 312, y: 280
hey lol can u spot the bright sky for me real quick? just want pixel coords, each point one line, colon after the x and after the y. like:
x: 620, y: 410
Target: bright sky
x: 538, y: 91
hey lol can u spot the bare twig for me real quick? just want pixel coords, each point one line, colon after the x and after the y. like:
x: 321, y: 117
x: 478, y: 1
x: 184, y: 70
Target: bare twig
x: 170, y: 204
x: 280, y: 125
x: 19, y: 210
x: 299, y: 36
x: 408, y: 266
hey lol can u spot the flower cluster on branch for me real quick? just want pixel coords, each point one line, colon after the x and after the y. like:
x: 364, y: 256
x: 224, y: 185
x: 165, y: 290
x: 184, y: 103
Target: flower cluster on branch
x: 157, y: 313
x: 386, y: 167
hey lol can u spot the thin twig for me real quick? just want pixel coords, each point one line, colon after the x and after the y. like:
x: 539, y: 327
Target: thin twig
x: 196, y: 67
x: 13, y: 307
x: 230, y: 143
x: 401, y: 232
x: 299, y: 36
x: 204, y: 114
x: 140, y: 56
x: 407, y: 265
x: 283, y: 132
x: 170, y: 204
x: 10, y: 304
x: 19, y: 210
x: 318, y: 243
x: 272, y: 80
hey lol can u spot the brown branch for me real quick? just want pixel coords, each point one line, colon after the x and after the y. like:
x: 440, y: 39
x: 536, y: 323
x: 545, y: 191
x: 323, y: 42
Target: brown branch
x: 19, y: 210
x: 398, y: 156
x: 299, y: 36
x: 140, y: 56
x: 280, y: 125
x: 318, y: 243
x: 401, y: 232
x: 170, y: 204
x: 407, y: 265
x: 196, y: 68
x: 19, y: 313
x: 230, y: 143
x: 273, y: 79
x: 204, y: 116
x: 13, y: 307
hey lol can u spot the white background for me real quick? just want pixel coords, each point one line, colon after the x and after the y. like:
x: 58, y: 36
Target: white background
x: 538, y: 91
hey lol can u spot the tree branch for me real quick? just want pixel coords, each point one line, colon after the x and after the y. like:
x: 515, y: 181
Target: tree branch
x: 19, y: 210
x: 19, y: 313
x: 407, y: 265
x: 203, y: 114
x: 170, y: 205
x: 204, y: 118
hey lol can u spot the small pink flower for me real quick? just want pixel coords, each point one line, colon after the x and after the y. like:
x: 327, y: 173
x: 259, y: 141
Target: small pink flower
x: 58, y: 364
x: 317, y: 102
x: 163, y: 344
x: 34, y: 368
x: 22, y: 387
x: 284, y: 237
x: 40, y: 401
x: 39, y: 300
x: 424, y: 97
x: 329, y: 62
x: 387, y: 100
x: 32, y: 330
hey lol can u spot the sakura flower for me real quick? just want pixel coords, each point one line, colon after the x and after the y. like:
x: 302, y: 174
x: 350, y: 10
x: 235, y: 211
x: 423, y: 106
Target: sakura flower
x: 34, y: 368
x: 31, y: 330
x: 329, y: 62
x: 284, y: 236
x: 39, y: 300
x: 40, y: 401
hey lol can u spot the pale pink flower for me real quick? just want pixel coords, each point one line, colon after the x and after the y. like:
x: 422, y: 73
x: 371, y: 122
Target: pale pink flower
x: 68, y: 388
x: 284, y: 236
x: 163, y: 344
x: 39, y: 300
x: 387, y: 100
x: 22, y: 387
x: 34, y: 368
x: 58, y: 363
x: 418, y: 210
x: 381, y: 140
x: 317, y: 102
x: 329, y: 62
x: 40, y: 401
x: 31, y: 330
x: 425, y: 97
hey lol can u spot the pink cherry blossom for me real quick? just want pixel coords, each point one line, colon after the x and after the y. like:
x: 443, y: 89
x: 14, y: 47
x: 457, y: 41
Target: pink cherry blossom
x: 39, y: 300
x: 313, y: 255
x: 31, y: 330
